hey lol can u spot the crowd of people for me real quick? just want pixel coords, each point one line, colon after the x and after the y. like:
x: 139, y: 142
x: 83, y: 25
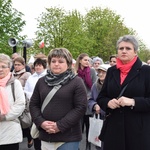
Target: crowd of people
x: 118, y: 91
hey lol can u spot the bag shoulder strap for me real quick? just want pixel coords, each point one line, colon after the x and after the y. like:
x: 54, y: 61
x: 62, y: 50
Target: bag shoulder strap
x: 13, y: 90
x: 49, y: 96
x: 122, y: 91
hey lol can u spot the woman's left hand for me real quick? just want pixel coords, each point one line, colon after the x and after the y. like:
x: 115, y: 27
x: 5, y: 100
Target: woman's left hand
x: 125, y: 101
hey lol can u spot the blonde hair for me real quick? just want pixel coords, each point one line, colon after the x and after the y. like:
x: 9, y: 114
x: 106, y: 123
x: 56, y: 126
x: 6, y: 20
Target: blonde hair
x: 80, y: 57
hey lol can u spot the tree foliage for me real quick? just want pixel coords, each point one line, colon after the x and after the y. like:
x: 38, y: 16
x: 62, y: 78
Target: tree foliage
x: 11, y: 24
x: 94, y: 33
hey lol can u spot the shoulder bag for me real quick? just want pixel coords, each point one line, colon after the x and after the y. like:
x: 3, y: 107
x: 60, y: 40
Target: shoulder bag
x: 25, y: 118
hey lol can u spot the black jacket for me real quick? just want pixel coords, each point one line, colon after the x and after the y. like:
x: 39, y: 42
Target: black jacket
x: 66, y: 108
x: 126, y: 128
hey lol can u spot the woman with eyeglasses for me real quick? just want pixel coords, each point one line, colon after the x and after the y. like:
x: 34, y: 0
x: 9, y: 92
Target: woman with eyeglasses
x: 96, y: 88
x: 22, y: 75
x: 125, y: 97
x: 10, y: 109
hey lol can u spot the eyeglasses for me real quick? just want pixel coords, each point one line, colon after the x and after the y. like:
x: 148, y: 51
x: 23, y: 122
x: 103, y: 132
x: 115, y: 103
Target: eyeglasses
x: 3, y: 67
x: 101, y: 72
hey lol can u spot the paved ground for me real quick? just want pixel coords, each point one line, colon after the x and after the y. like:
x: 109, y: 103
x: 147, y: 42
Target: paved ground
x: 23, y: 145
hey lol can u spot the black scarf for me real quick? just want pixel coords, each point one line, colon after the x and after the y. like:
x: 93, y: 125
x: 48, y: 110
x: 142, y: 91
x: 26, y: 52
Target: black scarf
x: 59, y: 79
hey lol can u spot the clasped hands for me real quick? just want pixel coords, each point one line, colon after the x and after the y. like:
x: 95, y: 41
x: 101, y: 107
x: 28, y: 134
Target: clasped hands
x: 50, y: 127
x: 121, y: 102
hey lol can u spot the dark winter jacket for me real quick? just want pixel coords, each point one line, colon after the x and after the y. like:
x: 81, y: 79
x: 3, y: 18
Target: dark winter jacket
x: 127, y: 128
x: 66, y: 108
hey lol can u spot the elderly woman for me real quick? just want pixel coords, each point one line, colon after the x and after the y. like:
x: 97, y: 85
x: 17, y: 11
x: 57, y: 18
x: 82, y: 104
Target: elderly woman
x: 125, y: 97
x: 97, y: 61
x: 10, y: 109
x: 60, y: 122
x: 96, y: 88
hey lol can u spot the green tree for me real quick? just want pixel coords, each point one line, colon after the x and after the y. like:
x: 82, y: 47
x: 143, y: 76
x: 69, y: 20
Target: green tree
x: 62, y: 29
x: 104, y: 28
x: 95, y: 33
x: 11, y: 24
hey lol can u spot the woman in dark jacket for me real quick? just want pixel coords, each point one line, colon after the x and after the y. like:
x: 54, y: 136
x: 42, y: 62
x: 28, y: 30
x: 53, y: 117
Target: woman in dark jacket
x: 60, y: 123
x: 127, y: 123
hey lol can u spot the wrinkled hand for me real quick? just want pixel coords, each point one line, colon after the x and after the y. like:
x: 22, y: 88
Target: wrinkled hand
x: 113, y: 104
x: 125, y: 101
x: 50, y: 127
x: 121, y: 102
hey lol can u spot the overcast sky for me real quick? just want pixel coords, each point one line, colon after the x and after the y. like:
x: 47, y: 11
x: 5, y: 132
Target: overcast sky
x: 135, y: 13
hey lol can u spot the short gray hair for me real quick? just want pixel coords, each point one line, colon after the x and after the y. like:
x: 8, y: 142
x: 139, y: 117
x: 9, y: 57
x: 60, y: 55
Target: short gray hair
x: 6, y: 59
x: 128, y: 38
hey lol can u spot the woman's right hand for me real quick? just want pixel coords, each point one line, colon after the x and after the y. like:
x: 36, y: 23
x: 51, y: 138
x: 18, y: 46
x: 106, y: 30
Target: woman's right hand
x: 48, y: 126
x: 113, y: 104
x: 97, y: 109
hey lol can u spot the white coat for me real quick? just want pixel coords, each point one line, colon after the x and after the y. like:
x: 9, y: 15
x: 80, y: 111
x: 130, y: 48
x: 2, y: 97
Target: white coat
x: 10, y: 129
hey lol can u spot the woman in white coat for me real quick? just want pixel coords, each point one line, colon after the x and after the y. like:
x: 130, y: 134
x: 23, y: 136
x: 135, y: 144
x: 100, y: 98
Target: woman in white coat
x: 10, y: 109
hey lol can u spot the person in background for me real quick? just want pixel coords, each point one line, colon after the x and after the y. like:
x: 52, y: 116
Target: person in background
x: 20, y: 73
x: 10, y: 109
x: 31, y: 65
x: 60, y: 123
x: 15, y: 55
x: 127, y: 122
x: 96, y: 88
x: 40, y: 66
x: 97, y: 62
x: 88, y: 75
x: 90, y: 62
x: 73, y: 64
x: 148, y: 62
x: 112, y: 60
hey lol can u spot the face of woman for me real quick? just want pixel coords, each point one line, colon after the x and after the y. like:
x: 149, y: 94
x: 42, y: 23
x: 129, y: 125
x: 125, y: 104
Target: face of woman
x: 39, y: 68
x: 96, y: 64
x: 113, y: 61
x: 101, y: 75
x: 18, y: 66
x: 58, y: 65
x: 126, y: 52
x: 4, y: 70
x: 84, y: 62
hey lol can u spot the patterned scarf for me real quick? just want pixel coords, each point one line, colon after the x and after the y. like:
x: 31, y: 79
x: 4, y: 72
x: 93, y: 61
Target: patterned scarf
x: 85, y: 74
x: 4, y: 105
x: 59, y: 79
x: 125, y: 68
